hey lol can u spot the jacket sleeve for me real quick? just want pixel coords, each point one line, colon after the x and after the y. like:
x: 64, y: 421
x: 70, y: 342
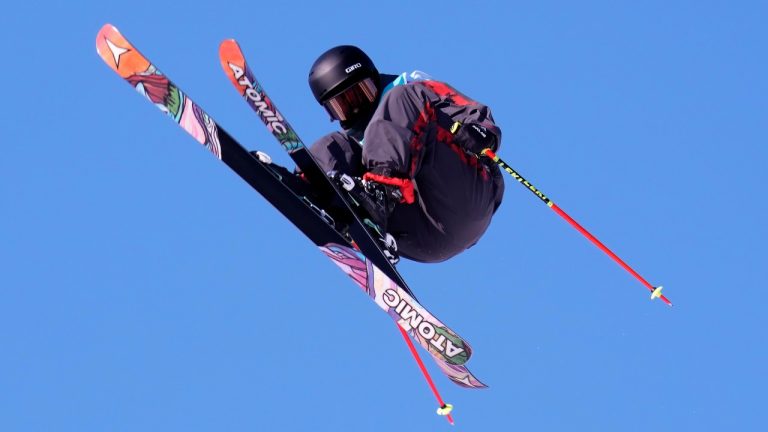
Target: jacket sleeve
x: 399, y: 130
x: 413, y: 116
x: 463, y: 109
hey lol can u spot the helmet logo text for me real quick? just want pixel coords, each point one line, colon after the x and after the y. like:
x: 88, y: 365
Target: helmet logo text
x: 353, y: 67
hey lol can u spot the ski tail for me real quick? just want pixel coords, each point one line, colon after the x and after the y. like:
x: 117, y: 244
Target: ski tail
x: 445, y: 346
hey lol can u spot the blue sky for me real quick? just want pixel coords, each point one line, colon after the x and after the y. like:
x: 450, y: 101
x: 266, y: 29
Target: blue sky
x: 143, y: 286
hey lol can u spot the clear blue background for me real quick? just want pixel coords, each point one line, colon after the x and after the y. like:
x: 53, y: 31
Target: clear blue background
x: 145, y: 287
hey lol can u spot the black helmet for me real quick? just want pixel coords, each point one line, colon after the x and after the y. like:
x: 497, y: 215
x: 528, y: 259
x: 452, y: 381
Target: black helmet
x: 345, y: 81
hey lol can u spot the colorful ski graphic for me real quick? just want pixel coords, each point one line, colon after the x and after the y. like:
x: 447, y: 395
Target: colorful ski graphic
x: 448, y: 349
x: 120, y: 55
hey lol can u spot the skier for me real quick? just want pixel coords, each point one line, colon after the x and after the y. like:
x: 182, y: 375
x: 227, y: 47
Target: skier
x: 408, y: 152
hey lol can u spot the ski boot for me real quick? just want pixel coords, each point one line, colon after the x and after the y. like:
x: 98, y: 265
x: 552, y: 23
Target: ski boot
x: 377, y: 201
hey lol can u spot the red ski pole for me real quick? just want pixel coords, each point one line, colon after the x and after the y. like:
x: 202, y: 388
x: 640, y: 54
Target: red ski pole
x: 445, y: 409
x: 655, y: 291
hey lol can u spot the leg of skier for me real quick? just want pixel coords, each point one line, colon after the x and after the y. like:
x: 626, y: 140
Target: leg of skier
x: 341, y: 158
x: 337, y: 152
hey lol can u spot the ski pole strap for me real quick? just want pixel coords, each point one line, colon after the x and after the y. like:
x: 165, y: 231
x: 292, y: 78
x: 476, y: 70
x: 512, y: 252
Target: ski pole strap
x: 405, y: 185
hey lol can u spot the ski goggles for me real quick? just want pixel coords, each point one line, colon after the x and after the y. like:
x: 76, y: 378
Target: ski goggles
x: 349, y: 102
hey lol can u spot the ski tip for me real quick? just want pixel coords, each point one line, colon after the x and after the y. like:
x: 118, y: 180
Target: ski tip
x: 106, y: 28
x: 229, y: 45
x: 118, y: 53
x: 231, y: 56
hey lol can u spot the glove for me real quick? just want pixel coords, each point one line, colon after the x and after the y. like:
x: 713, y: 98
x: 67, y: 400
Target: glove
x: 474, y: 137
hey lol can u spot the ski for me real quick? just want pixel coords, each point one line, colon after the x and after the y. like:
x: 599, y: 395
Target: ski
x: 448, y: 350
